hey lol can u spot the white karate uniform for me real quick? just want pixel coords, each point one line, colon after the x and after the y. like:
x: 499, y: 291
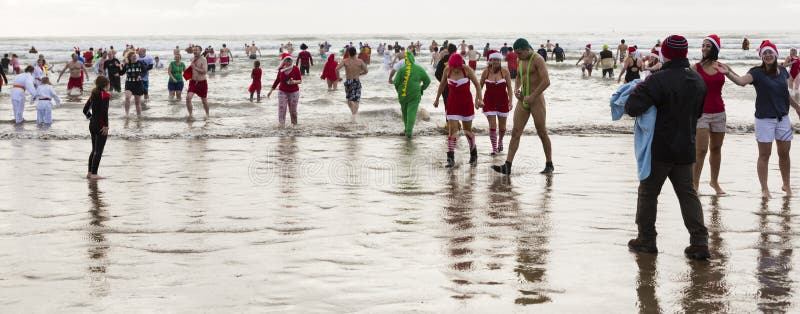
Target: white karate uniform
x: 44, y: 108
x: 38, y: 74
x: 18, y: 94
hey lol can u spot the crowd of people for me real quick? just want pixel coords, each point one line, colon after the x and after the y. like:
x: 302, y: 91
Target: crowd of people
x: 680, y: 103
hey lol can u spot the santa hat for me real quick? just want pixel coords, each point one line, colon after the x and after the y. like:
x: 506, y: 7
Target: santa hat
x: 714, y: 39
x: 496, y: 55
x: 631, y: 49
x: 655, y: 52
x: 285, y: 56
x: 675, y: 47
x: 767, y: 45
x: 588, y: 46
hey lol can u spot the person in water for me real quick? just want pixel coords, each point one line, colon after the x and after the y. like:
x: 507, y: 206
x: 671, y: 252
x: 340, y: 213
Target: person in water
x: 330, y: 74
x: 409, y: 83
x: 497, y: 99
x: 96, y: 110
x: 255, y: 86
x: 529, y: 88
x: 460, y: 108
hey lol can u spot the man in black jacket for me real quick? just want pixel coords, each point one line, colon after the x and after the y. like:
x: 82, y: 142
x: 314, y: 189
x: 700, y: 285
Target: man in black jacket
x: 451, y: 49
x: 678, y: 94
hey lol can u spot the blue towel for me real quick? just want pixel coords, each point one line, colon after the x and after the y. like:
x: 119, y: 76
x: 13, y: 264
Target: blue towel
x: 643, y: 128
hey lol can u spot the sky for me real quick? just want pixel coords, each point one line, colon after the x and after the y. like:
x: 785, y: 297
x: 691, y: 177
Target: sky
x: 57, y: 18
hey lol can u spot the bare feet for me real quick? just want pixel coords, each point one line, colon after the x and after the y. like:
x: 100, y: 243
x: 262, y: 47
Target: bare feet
x: 95, y: 177
x: 787, y: 189
x: 765, y: 194
x: 717, y: 188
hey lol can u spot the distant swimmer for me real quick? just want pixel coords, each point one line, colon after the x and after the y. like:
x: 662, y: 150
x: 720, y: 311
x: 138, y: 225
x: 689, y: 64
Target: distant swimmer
x: 607, y: 62
x: 589, y: 59
x: 549, y: 46
x: 77, y: 73
x: 253, y: 50
x: 622, y: 51
x: 176, y: 51
x: 354, y: 68
x: 305, y: 60
x: 33, y: 50
x: 225, y: 56
x: 542, y: 52
x: 255, y: 86
x: 473, y: 57
x: 746, y: 44
x: 558, y: 53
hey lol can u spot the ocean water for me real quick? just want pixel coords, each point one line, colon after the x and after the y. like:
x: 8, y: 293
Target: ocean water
x: 233, y: 214
x: 575, y: 105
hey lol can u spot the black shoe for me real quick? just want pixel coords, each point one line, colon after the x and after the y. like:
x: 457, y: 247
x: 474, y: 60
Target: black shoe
x: 697, y: 252
x: 451, y: 160
x: 640, y: 246
x: 500, y: 148
x: 473, y: 156
x: 548, y: 168
x: 504, y: 169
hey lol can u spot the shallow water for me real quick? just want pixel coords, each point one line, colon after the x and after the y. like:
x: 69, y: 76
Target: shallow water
x: 575, y: 105
x: 320, y: 224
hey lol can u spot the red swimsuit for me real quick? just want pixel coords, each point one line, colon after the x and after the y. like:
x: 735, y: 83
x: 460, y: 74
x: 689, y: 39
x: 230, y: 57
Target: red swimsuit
x: 459, y: 99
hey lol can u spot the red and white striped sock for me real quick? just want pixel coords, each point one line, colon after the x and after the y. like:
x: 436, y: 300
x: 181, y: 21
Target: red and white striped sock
x: 471, y: 140
x: 451, y: 144
x: 493, y: 138
x: 501, y: 134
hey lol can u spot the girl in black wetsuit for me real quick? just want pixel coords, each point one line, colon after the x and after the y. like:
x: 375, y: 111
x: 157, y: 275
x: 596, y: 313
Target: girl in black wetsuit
x: 96, y: 110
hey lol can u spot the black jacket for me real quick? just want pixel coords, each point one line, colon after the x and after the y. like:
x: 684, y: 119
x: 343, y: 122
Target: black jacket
x: 678, y: 94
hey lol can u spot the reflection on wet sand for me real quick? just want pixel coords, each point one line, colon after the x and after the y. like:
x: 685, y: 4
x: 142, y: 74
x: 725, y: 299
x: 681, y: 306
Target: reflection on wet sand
x: 98, y: 248
x: 708, y: 289
x: 646, y: 283
x: 286, y: 167
x: 775, y: 250
x: 458, y: 215
x: 534, y: 237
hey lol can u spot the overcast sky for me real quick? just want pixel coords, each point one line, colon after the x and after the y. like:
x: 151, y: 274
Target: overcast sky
x: 245, y: 17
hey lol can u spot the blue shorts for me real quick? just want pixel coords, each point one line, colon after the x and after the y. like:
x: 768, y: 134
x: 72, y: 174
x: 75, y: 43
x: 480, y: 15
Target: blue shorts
x: 175, y: 86
x: 146, y: 85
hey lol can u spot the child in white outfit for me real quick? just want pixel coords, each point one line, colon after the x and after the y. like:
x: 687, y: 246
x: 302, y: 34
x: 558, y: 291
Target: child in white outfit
x: 46, y: 96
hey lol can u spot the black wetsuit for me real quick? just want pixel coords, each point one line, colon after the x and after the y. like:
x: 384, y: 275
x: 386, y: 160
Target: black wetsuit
x: 630, y: 75
x: 96, y: 110
x: 559, y: 53
x: 112, y: 66
x: 542, y: 52
x: 440, y: 72
x: 4, y: 63
x: 3, y: 74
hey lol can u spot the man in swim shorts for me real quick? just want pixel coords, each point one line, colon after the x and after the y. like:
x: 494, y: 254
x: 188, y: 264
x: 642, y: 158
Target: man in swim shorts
x: 589, y: 59
x: 354, y: 68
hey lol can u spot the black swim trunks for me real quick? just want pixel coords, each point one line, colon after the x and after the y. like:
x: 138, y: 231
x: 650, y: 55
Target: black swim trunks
x: 353, y: 89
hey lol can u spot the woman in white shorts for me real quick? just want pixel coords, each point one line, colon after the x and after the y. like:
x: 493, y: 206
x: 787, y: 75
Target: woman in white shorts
x: 772, y: 112
x: 711, y: 126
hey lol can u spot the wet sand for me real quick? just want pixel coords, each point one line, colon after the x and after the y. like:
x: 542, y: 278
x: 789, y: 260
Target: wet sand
x: 307, y: 224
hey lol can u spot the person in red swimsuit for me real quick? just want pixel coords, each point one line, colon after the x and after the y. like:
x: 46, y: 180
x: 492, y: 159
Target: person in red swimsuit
x: 711, y: 126
x: 497, y: 99
x: 793, y: 61
x: 460, y: 108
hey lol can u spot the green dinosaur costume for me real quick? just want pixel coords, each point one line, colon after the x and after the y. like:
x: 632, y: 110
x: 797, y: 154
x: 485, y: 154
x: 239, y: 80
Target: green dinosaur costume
x: 409, y: 91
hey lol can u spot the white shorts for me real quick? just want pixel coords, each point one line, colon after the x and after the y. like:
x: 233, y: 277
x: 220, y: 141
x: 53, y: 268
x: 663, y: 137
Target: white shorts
x: 769, y: 130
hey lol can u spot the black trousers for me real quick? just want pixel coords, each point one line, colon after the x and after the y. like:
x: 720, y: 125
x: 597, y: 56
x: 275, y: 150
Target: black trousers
x: 691, y: 210
x: 98, y: 144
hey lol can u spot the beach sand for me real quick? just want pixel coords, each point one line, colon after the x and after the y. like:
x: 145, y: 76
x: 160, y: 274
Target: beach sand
x: 375, y: 224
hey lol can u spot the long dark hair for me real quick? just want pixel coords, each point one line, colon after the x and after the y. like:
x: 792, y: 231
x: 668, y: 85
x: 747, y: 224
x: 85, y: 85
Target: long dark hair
x: 712, y: 56
x: 770, y: 69
x: 100, y: 84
